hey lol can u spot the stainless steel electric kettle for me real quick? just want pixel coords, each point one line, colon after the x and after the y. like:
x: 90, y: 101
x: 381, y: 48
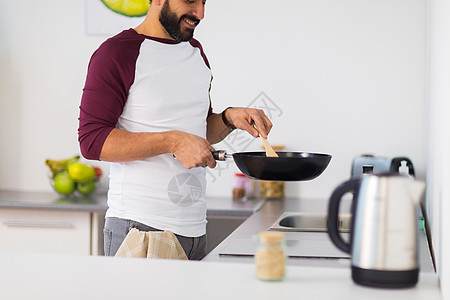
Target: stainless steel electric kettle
x: 384, y: 229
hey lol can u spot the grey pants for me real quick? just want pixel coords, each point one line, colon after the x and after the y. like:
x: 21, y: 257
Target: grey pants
x: 117, y: 229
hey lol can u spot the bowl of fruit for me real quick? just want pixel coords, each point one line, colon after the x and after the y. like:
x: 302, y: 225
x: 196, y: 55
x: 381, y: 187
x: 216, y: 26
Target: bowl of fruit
x: 70, y: 176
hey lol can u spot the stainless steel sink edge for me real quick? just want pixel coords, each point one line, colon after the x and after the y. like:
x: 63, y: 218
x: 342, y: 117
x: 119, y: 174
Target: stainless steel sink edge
x: 308, y: 222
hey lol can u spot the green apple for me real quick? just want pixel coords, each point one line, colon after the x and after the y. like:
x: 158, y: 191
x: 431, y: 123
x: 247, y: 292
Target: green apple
x: 63, y: 183
x: 86, y: 188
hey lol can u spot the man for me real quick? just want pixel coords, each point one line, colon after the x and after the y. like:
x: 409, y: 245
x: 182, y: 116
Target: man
x: 146, y: 109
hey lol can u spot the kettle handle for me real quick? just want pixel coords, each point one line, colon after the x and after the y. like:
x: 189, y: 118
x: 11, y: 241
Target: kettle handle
x: 350, y: 186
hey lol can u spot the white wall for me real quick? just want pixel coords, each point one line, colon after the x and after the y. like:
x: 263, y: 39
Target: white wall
x: 43, y: 59
x: 438, y: 176
x: 347, y: 77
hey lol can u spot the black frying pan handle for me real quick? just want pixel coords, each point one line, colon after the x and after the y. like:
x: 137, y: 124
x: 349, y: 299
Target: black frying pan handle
x: 220, y: 155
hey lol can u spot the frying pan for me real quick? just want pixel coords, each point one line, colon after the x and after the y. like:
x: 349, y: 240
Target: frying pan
x: 289, y: 166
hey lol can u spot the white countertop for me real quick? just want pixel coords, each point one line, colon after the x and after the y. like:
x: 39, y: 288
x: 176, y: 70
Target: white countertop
x: 39, y: 276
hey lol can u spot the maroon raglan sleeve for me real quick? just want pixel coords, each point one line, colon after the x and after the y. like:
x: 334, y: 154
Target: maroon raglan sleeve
x: 196, y: 43
x: 110, y: 74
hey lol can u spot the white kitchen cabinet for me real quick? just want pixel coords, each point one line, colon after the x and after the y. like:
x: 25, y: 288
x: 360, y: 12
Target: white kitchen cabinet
x: 98, y: 223
x: 49, y: 231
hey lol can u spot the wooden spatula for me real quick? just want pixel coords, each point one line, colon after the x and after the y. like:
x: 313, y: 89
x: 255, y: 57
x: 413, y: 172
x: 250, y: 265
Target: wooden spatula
x: 269, y: 150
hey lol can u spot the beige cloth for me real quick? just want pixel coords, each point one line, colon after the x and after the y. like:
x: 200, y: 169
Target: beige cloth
x: 151, y: 244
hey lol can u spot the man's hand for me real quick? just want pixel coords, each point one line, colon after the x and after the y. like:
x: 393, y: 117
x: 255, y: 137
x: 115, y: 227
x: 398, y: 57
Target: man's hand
x: 191, y: 150
x: 243, y: 118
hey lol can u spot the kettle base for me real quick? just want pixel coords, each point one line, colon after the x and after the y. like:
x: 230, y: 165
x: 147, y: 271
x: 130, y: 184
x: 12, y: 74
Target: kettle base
x: 385, y: 279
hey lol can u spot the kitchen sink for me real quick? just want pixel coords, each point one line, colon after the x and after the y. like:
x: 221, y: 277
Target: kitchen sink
x: 316, y: 245
x: 297, y: 221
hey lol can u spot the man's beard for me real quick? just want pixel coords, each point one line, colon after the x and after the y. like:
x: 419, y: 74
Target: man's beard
x: 172, y: 24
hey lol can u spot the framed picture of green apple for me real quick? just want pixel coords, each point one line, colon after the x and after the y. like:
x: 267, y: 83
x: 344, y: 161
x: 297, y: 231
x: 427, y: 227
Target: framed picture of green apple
x: 109, y: 17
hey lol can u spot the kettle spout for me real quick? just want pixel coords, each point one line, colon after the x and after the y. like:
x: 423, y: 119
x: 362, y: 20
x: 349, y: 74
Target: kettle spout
x: 417, y: 191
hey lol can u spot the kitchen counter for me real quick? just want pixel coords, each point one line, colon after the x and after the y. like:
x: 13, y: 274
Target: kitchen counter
x: 38, y: 276
x: 259, y: 214
x: 270, y: 212
x: 89, y: 277
x: 51, y: 201
x: 217, y: 206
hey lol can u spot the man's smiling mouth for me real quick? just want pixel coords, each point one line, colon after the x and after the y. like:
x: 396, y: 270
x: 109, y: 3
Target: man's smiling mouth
x: 190, y: 23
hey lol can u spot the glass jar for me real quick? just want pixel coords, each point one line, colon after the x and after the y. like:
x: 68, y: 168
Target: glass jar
x: 245, y: 188
x: 239, y: 190
x: 270, y: 256
x: 252, y: 190
x: 272, y: 189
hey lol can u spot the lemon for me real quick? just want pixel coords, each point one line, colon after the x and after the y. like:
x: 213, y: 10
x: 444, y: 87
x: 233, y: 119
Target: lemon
x: 129, y: 8
x: 80, y: 172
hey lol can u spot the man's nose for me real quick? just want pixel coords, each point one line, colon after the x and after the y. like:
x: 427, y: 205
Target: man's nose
x: 199, y: 10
